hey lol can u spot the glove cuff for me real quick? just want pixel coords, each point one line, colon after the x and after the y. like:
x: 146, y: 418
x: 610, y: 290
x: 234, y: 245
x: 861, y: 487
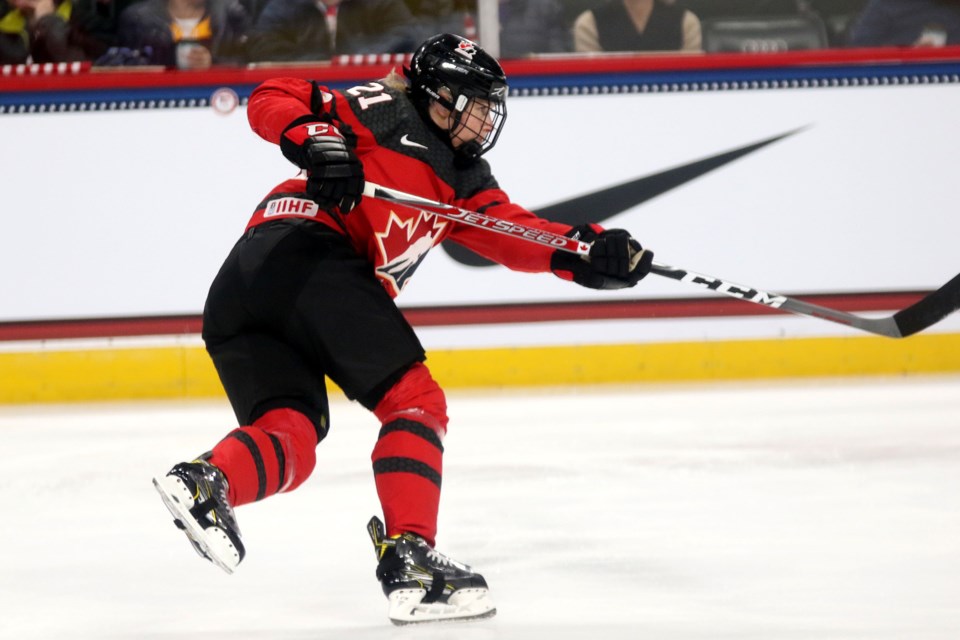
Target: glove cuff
x: 297, y: 132
x: 571, y: 267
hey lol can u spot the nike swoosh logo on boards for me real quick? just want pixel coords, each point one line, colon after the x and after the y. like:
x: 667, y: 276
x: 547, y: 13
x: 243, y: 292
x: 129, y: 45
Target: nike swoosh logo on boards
x: 600, y: 205
x: 405, y: 140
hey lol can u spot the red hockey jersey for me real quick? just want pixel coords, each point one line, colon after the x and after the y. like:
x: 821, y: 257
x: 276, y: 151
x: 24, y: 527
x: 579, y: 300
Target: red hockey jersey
x: 398, y: 150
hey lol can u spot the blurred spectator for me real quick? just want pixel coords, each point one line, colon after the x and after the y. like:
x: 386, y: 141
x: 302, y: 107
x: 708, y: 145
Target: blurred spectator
x: 710, y: 9
x: 253, y: 7
x: 637, y: 25
x: 290, y: 30
x: 189, y: 34
x: 57, y: 30
x: 34, y: 31
x: 435, y: 9
x: 446, y: 16
x: 837, y: 15
x: 907, y: 23
x: 532, y: 26
x: 94, y: 24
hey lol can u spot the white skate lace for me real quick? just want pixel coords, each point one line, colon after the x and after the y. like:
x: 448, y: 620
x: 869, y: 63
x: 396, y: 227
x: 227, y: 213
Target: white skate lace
x: 438, y: 557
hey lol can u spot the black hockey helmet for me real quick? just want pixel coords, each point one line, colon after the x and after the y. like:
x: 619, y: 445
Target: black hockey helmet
x: 467, y: 72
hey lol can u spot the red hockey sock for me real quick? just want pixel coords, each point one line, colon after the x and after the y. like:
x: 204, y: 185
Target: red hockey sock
x: 277, y: 453
x: 408, y: 456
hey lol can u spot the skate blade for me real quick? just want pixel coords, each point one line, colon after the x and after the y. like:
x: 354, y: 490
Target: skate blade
x: 211, y: 543
x: 406, y: 607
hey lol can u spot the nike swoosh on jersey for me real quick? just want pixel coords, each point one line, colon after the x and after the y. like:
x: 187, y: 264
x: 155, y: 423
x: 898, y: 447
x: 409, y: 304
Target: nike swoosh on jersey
x: 406, y: 141
x: 600, y: 205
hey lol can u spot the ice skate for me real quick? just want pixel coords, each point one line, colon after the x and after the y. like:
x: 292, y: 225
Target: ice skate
x: 196, y: 495
x: 423, y: 585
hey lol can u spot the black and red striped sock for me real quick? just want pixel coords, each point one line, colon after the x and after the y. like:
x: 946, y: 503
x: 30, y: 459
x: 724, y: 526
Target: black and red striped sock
x: 408, y: 471
x: 408, y: 456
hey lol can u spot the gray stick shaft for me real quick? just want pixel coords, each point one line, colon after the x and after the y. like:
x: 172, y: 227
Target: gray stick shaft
x: 880, y: 326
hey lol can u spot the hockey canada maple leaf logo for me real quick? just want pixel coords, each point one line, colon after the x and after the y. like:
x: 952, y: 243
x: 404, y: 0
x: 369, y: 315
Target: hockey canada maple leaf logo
x: 466, y: 49
x: 404, y: 244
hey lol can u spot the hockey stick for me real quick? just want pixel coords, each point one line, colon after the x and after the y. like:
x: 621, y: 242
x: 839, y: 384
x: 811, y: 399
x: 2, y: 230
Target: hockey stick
x: 475, y: 219
x: 922, y: 314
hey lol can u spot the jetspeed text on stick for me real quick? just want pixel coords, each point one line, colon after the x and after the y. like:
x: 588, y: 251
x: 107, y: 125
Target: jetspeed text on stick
x: 543, y: 237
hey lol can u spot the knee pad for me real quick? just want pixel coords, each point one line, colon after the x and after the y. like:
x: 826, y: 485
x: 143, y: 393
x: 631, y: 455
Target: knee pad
x: 415, y: 396
x: 294, y: 440
x: 274, y: 454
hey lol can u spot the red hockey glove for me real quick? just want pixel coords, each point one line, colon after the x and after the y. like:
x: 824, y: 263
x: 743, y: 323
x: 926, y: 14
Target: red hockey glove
x: 616, y: 260
x: 334, y: 173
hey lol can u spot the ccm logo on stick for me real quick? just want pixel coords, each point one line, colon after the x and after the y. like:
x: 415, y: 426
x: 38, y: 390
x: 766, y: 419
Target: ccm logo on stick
x: 753, y: 295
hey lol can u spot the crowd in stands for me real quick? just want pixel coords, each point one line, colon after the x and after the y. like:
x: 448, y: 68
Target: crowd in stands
x: 196, y: 34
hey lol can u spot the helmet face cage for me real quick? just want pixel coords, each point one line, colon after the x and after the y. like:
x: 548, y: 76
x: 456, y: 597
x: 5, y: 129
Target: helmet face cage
x: 475, y: 82
x: 478, y: 121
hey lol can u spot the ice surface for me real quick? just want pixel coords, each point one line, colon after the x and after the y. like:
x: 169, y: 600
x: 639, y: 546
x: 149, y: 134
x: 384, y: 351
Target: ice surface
x: 827, y: 509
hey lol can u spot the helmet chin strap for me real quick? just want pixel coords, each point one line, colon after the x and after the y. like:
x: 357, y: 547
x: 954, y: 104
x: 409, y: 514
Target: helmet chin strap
x: 470, y: 150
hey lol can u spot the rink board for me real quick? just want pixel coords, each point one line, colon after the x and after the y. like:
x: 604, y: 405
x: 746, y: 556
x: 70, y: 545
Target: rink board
x: 185, y: 371
x: 796, y: 183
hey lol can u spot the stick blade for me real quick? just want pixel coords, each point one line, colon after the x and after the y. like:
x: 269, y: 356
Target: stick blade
x: 930, y: 310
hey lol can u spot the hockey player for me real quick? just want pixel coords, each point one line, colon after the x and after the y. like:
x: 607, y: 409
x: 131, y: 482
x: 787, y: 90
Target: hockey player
x: 308, y: 290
